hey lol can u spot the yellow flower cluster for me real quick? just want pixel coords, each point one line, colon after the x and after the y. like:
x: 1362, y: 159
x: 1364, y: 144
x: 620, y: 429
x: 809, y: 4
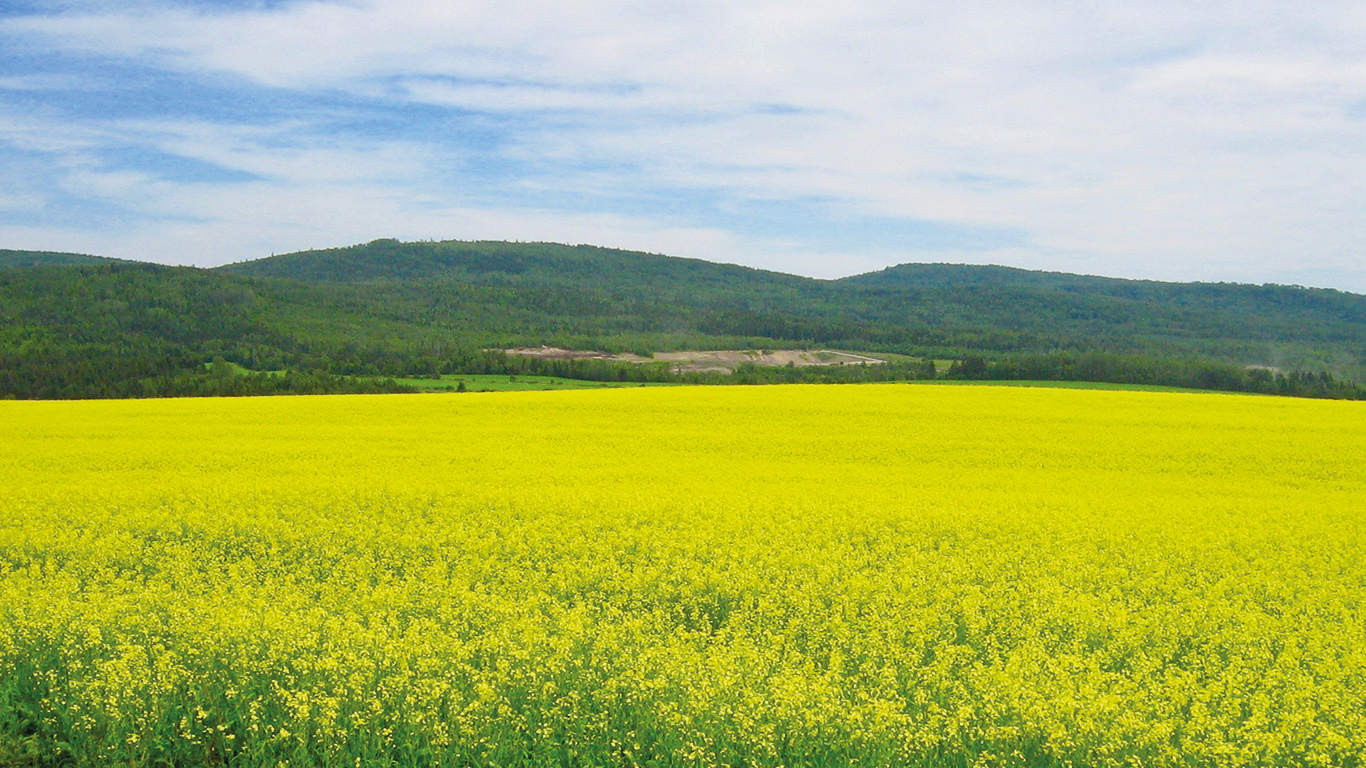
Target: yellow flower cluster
x: 766, y: 576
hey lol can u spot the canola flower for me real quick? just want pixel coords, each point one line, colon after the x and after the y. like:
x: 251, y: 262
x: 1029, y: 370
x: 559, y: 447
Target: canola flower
x: 767, y: 576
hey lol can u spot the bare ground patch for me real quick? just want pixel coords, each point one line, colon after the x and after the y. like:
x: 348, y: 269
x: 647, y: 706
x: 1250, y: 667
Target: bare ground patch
x: 723, y: 361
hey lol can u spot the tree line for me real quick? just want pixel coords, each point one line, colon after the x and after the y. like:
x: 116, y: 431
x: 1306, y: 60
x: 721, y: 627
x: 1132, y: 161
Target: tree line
x: 138, y: 330
x: 1154, y: 371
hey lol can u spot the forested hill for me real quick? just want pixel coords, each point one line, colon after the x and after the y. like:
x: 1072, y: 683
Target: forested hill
x: 1272, y: 325
x: 70, y: 324
x: 960, y: 275
x: 1299, y: 305
x: 937, y: 309
x: 600, y: 269
x: 49, y: 259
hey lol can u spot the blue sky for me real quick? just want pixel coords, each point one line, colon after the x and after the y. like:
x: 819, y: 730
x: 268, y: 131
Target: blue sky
x: 1217, y: 141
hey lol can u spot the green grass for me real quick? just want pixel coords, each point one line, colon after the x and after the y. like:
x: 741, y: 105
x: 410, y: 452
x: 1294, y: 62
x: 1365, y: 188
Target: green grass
x: 240, y: 370
x: 522, y: 383
x: 1060, y: 385
x: 506, y: 383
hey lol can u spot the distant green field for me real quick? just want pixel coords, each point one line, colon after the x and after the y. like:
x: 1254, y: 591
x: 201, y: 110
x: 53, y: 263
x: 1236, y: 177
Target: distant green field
x: 1059, y: 385
x: 241, y: 370
x: 520, y: 383
x: 506, y: 383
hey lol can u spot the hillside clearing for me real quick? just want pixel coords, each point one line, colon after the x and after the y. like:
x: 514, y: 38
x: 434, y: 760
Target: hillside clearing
x: 702, y: 361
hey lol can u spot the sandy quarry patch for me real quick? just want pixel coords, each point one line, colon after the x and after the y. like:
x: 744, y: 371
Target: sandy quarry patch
x: 726, y: 360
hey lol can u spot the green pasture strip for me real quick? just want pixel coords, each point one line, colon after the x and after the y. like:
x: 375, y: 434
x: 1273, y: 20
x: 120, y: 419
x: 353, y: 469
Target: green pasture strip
x: 511, y: 383
x: 1065, y: 385
x: 237, y: 369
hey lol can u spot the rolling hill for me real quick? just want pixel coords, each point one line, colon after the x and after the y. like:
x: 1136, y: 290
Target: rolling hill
x: 10, y: 259
x: 919, y: 308
x: 394, y: 308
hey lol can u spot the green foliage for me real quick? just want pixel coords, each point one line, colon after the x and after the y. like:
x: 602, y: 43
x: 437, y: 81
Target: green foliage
x: 12, y: 259
x: 389, y: 309
x: 918, y: 309
x: 1146, y: 371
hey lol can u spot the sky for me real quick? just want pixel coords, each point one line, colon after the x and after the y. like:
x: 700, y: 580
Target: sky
x: 1157, y: 139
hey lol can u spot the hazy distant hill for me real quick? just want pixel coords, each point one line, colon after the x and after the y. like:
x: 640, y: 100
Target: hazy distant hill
x: 10, y: 259
x: 511, y: 263
x: 959, y: 275
x: 913, y: 307
x: 1306, y: 303
x: 1257, y: 324
x: 393, y: 308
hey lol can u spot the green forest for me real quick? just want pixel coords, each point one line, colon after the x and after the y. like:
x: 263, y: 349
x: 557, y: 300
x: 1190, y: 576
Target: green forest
x: 361, y: 319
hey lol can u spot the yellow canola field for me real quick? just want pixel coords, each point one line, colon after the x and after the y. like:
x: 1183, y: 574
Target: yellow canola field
x: 765, y: 576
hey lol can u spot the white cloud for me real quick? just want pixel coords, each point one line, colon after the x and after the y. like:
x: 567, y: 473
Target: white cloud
x: 20, y: 203
x: 254, y: 220
x: 1169, y: 139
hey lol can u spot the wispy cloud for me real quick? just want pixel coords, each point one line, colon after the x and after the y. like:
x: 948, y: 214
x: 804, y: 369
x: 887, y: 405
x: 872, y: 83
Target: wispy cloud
x: 1163, y: 139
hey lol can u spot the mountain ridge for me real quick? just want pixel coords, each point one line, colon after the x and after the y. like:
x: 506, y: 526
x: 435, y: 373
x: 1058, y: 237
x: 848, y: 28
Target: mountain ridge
x: 12, y: 259
x: 390, y: 307
x: 892, y: 276
x: 952, y: 274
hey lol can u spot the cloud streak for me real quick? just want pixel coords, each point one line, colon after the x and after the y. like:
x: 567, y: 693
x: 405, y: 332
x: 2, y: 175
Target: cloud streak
x: 1170, y: 140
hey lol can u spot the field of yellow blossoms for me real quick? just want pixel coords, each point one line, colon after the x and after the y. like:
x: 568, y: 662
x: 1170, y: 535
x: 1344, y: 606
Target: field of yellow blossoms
x: 874, y: 575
